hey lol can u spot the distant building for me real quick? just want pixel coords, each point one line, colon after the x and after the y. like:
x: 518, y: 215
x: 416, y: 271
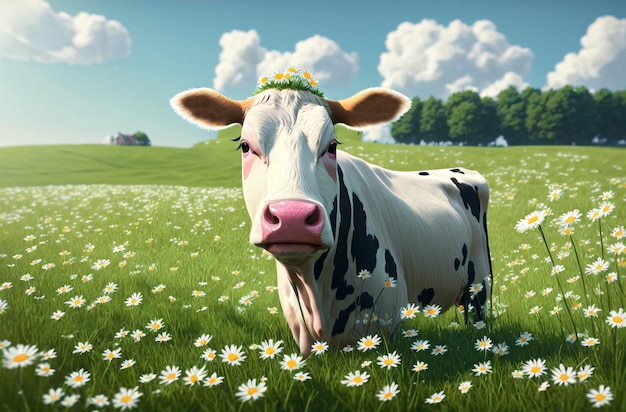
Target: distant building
x: 125, y: 140
x: 121, y: 139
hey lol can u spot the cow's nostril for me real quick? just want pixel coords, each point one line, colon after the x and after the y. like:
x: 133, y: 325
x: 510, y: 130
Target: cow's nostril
x: 270, y: 217
x: 313, y: 218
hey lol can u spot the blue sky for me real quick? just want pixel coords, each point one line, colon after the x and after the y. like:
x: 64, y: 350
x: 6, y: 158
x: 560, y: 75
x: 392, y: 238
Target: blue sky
x: 76, y: 71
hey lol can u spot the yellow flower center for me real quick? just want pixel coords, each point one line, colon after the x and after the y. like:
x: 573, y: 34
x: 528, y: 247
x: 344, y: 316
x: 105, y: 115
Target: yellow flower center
x: 20, y: 358
x: 233, y: 357
x: 252, y: 390
x: 533, y: 220
x: 535, y: 369
x: 357, y: 379
x: 600, y: 397
x: 270, y: 351
x: 78, y: 378
x: 171, y: 376
x: 212, y: 380
x: 564, y: 378
x: 125, y: 399
x: 194, y: 378
x: 291, y: 364
x: 368, y: 342
x: 409, y: 312
x: 618, y: 319
x: 388, y: 395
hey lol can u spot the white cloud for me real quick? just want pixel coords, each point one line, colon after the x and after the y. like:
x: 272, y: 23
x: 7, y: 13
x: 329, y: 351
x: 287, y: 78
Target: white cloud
x: 320, y: 55
x: 509, y: 79
x: 32, y: 30
x: 240, y: 55
x: 427, y: 58
x: 243, y: 60
x: 378, y: 134
x: 601, y: 60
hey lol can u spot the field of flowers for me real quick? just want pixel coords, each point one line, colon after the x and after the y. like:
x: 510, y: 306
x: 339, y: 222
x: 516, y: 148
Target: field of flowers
x: 150, y: 297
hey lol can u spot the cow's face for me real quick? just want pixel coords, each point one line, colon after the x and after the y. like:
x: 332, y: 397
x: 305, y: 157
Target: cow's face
x: 288, y: 149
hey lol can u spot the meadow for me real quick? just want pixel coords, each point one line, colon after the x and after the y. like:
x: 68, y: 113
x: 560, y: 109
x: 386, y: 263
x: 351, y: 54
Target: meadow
x: 127, y: 278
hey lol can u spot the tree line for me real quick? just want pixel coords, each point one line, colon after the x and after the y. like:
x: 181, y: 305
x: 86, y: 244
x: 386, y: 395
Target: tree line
x: 565, y: 116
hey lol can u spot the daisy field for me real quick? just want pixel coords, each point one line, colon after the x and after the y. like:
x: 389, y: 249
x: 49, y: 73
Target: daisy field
x: 149, y: 297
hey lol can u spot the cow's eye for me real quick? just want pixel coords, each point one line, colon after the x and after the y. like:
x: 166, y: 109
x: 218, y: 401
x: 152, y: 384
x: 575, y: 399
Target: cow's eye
x: 332, y: 149
x: 244, y: 146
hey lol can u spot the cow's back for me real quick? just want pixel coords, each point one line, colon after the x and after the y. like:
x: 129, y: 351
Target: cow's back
x: 432, y: 222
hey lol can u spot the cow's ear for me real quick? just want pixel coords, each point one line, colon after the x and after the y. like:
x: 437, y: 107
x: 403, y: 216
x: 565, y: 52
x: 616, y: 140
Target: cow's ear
x: 210, y: 109
x: 369, y: 107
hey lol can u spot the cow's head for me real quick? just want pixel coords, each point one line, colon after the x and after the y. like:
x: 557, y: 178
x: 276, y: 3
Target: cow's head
x: 289, y: 148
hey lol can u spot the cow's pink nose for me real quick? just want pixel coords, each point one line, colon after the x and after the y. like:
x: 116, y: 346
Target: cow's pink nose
x: 292, y: 222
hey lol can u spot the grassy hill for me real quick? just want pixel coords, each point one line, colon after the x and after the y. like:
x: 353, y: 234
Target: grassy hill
x: 207, y: 164
x: 216, y: 163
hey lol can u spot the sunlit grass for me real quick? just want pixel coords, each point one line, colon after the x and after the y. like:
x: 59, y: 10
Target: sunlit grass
x: 184, y: 248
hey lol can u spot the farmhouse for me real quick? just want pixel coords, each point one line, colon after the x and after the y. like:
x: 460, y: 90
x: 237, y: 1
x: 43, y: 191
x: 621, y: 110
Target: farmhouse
x: 124, y: 140
x: 120, y: 139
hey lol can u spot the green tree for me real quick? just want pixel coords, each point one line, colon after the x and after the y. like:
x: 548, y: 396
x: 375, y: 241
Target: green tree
x: 470, y: 119
x: 142, y: 138
x: 568, y: 116
x: 407, y: 128
x: 610, y: 123
x: 582, y: 122
x: 433, y: 125
x: 511, y: 110
x: 539, y: 123
x: 620, y: 98
x: 490, y: 127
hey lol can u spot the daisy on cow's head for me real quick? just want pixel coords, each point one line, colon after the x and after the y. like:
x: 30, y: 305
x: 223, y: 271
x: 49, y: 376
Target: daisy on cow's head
x: 291, y: 78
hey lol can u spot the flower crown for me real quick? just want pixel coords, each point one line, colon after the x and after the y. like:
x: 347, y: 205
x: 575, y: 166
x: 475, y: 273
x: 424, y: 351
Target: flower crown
x: 291, y: 78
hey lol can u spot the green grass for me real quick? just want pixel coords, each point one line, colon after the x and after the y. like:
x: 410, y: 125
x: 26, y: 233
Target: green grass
x: 208, y: 164
x: 187, y: 231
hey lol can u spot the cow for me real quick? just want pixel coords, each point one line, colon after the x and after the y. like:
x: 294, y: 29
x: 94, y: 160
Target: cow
x: 354, y: 243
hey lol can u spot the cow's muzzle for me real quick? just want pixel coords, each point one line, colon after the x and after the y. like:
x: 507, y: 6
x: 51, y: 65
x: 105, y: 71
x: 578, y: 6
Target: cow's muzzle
x: 292, y: 228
